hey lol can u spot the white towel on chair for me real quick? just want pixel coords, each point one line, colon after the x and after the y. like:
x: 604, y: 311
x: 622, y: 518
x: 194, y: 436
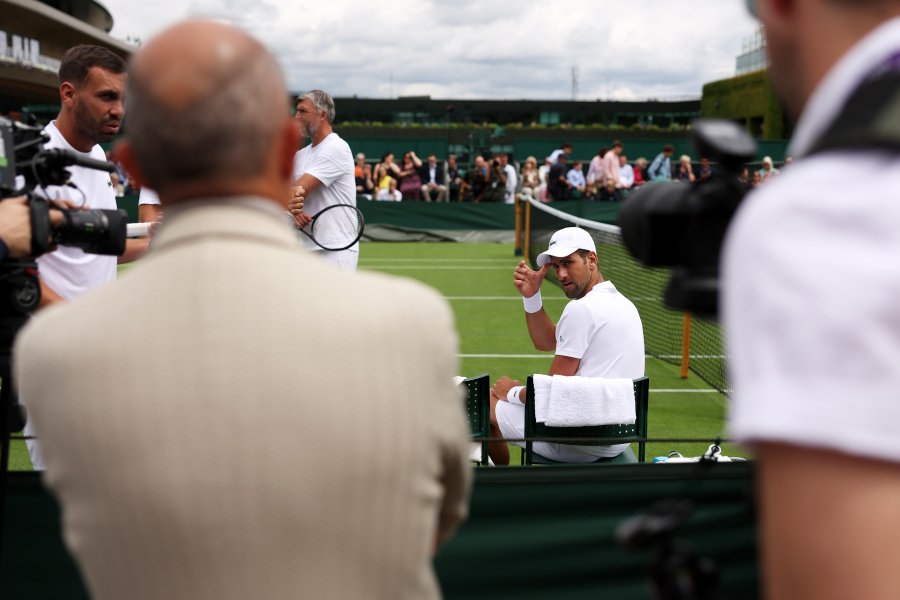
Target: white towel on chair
x: 585, y: 401
x: 541, y: 397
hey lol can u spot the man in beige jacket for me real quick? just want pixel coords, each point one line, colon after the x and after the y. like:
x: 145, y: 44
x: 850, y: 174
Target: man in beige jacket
x: 287, y: 430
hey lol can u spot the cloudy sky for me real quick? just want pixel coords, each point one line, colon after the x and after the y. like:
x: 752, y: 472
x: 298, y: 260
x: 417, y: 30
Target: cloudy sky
x: 478, y: 48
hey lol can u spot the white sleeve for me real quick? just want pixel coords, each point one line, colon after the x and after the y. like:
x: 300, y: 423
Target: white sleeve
x: 148, y: 196
x: 329, y: 164
x: 575, y: 329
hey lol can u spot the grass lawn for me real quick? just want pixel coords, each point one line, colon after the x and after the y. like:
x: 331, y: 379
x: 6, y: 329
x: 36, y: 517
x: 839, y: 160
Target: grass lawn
x: 476, y: 279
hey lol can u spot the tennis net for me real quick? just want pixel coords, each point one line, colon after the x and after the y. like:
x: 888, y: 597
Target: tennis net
x: 665, y: 330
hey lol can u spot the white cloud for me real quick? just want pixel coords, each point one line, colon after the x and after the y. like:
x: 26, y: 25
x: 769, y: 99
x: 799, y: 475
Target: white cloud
x: 478, y: 49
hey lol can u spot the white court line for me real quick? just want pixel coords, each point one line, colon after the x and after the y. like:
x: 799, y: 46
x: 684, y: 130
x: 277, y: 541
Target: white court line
x: 551, y: 356
x: 519, y: 298
x: 679, y: 391
x: 505, y: 355
x: 436, y: 268
x: 453, y: 260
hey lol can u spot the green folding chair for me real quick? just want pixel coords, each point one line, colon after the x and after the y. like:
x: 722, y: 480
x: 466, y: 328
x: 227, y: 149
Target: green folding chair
x: 478, y: 410
x: 576, y: 435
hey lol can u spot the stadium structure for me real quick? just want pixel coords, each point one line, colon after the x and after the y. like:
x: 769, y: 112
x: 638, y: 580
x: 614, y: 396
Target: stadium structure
x: 33, y: 37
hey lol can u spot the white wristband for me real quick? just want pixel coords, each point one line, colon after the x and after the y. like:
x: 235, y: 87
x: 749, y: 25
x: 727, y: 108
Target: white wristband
x: 533, y: 304
x: 513, y: 394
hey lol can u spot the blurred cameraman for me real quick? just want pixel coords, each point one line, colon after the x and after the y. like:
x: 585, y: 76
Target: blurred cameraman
x: 92, y: 98
x: 810, y: 301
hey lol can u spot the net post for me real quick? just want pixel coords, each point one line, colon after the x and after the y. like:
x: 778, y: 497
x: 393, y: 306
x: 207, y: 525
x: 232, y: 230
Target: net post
x: 526, y: 246
x: 518, y: 247
x: 685, y: 344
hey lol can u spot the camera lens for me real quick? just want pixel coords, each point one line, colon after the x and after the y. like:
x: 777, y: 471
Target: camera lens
x: 94, y: 231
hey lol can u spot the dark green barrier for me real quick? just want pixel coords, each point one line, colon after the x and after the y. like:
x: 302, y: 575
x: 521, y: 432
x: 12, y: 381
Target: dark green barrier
x: 34, y: 564
x: 466, y: 216
x: 538, y: 532
x: 547, y: 532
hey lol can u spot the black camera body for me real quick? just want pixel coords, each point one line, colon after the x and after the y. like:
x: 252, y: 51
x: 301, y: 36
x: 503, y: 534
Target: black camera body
x: 95, y: 231
x: 682, y: 226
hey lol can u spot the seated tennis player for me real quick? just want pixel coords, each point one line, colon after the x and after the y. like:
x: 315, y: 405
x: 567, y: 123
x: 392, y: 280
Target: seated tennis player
x: 598, y: 335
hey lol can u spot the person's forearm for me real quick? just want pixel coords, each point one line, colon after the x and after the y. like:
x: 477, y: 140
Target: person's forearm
x: 48, y: 296
x: 542, y: 330
x: 134, y: 249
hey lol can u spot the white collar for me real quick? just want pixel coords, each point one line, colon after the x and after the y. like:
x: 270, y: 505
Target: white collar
x: 841, y: 81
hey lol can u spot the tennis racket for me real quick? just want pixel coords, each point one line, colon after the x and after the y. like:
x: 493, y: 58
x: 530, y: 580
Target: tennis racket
x: 336, y: 227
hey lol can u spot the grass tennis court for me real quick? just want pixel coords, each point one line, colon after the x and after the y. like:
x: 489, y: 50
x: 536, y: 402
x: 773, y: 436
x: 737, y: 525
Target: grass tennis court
x: 476, y: 279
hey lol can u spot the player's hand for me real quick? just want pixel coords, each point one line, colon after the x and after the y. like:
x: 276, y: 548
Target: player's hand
x: 298, y: 195
x: 15, y: 226
x: 528, y: 281
x: 151, y: 231
x: 301, y: 219
x: 502, y: 386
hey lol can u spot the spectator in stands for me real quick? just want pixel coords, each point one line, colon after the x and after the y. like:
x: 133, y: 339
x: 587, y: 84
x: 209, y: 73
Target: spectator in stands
x: 611, y: 164
x: 595, y: 179
x: 410, y: 181
x: 511, y: 178
x: 640, y: 172
x: 577, y: 182
x: 543, y: 172
x: 477, y: 180
x: 626, y: 174
x: 495, y: 188
x: 365, y: 185
x: 598, y: 335
x: 810, y: 286
x: 768, y: 168
x: 531, y: 179
x: 432, y: 175
x: 456, y: 183
x: 609, y: 192
x: 756, y: 179
x: 744, y: 177
x: 386, y: 170
x: 360, y: 163
x: 565, y: 148
x: 661, y: 167
x: 557, y: 182
x: 685, y: 170
x: 706, y: 171
x: 391, y: 193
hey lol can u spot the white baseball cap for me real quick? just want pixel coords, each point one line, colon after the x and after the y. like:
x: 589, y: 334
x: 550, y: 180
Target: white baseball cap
x: 564, y: 242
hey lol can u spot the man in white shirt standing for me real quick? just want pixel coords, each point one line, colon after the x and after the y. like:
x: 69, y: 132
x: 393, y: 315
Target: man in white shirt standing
x: 92, y: 105
x: 92, y: 98
x: 810, y: 292
x: 324, y: 171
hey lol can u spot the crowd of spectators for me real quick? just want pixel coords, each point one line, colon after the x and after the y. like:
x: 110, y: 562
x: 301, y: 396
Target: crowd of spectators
x: 608, y: 177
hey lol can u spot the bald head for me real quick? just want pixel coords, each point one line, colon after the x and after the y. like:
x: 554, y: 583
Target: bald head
x: 206, y: 101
